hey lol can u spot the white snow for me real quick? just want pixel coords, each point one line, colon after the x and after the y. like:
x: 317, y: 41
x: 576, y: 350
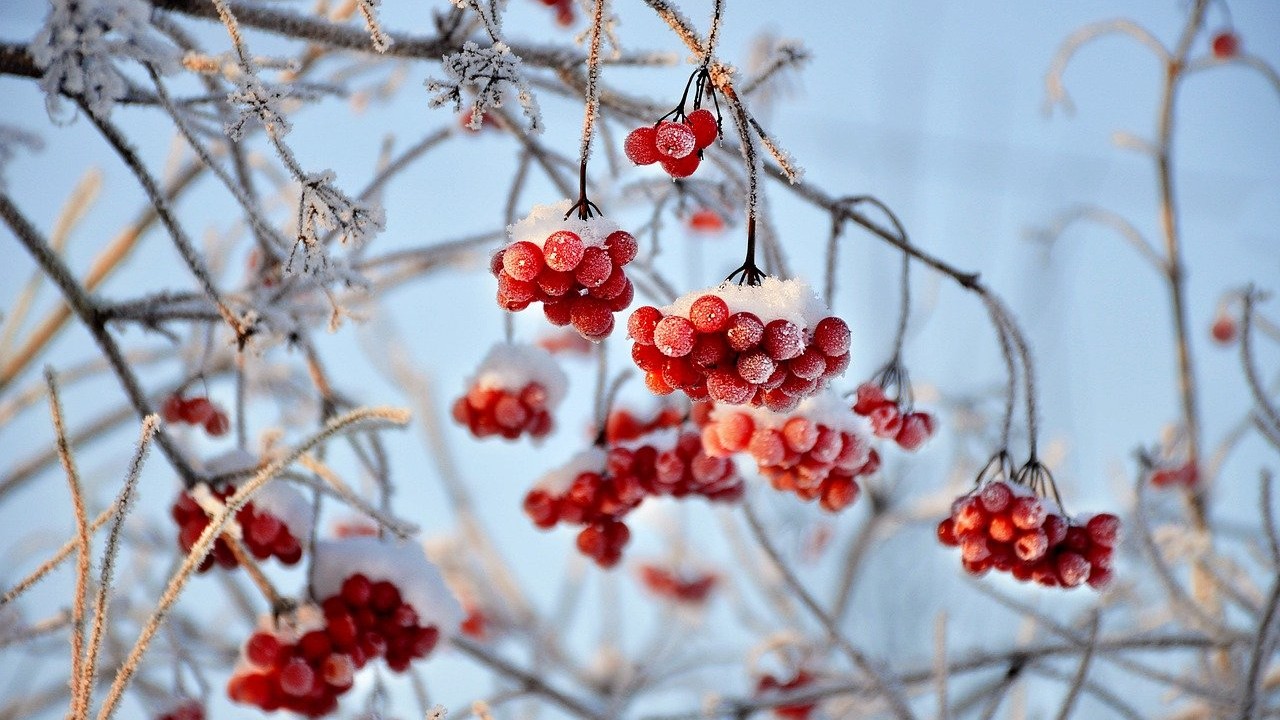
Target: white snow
x: 558, y: 480
x: 403, y: 563
x: 773, y: 299
x: 512, y: 366
x: 543, y: 220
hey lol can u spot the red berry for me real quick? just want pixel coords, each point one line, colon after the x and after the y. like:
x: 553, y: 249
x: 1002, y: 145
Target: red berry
x: 755, y: 367
x: 674, y: 140
x: 832, y: 336
x: 1027, y: 513
x: 1031, y: 545
x: 639, y: 146
x: 173, y: 409
x: 1055, y: 529
x: 595, y: 267
x: 198, y: 410
x: 522, y: 260
x: 558, y: 313
x: 622, y: 247
x: 674, y: 336
x: 555, y: 283
x: 703, y: 124
x: 1099, y: 578
x: 656, y: 384
x: 995, y: 496
x: 591, y: 317
x: 727, y: 387
x: 1224, y: 329
x: 1001, y: 528
x: 1072, y: 569
x: 297, y: 676
x: 314, y: 645
x: 683, y: 167
x: 886, y: 421
x: 709, y: 314
x: 916, y: 429
x: 783, y: 339
x: 563, y: 251
x: 217, y: 424
x: 870, y: 396
x: 810, y: 365
x: 744, y: 331
x: 838, y: 493
x: 262, y: 649
x: 947, y: 533
x: 1104, y: 529
x: 356, y: 590
x: 706, y: 221
x: 1226, y: 45
x: 647, y: 357
x: 709, y: 351
x: 611, y: 288
x: 338, y: 671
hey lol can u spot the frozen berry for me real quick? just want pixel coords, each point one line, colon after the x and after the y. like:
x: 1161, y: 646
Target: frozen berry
x: 832, y: 336
x: 594, y: 268
x: 562, y: 251
x: 641, y: 324
x: 709, y: 314
x: 522, y: 260
x: 674, y: 140
x: 622, y: 247
x: 1226, y: 45
x: 783, y: 339
x: 744, y: 331
x: 591, y: 317
x: 682, y: 167
x: 640, y: 147
x: 674, y: 336
x: 703, y: 124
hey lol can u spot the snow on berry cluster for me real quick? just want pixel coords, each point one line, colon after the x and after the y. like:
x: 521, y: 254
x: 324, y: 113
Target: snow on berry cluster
x: 381, y: 600
x: 513, y: 392
x: 574, y: 267
x: 1006, y: 527
x: 582, y: 492
x: 196, y: 411
x: 908, y: 429
x: 683, y: 587
x: 773, y: 344
x: 816, y: 451
x: 270, y: 526
x: 599, y: 487
x: 675, y: 145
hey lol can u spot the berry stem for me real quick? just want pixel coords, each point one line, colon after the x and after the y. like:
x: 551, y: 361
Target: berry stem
x: 585, y: 206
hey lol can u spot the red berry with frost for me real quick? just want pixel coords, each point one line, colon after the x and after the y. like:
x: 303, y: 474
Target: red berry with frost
x: 674, y: 140
x: 640, y: 146
x: 995, y: 496
x: 783, y: 339
x: 198, y: 410
x: 562, y: 251
x: 682, y: 167
x: 522, y: 260
x: 558, y: 313
x: 674, y: 336
x: 1054, y: 528
x: 831, y: 335
x: 594, y: 268
x: 1104, y: 529
x: 612, y: 287
x: 622, y: 247
x: 744, y: 331
x: 709, y: 351
x: 262, y: 649
x: 703, y: 124
x: 809, y: 365
x: 917, y: 428
x: 555, y: 283
x: 870, y: 396
x: 641, y: 324
x: 728, y: 387
x: 886, y: 421
x: 657, y: 385
x: 709, y: 314
x: 755, y: 367
x: 297, y: 676
x: 1027, y: 512
x: 173, y: 409
x: 1073, y: 569
x: 591, y: 317
x: 647, y: 357
x: 217, y: 424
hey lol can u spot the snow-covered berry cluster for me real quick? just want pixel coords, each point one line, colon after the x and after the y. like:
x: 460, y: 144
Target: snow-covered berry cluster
x: 672, y: 462
x: 909, y: 429
x: 690, y: 588
x: 768, y: 683
x: 1006, y: 527
x: 574, y: 267
x: 270, y: 526
x: 395, y: 609
x: 816, y: 451
x: 514, y: 392
x: 582, y: 492
x: 196, y: 411
x: 772, y: 344
x: 675, y: 144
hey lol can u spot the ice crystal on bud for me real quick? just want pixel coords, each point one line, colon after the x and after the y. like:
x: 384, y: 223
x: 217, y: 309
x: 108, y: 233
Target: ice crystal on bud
x: 488, y: 71
x: 79, y: 42
x: 258, y: 102
x: 324, y: 207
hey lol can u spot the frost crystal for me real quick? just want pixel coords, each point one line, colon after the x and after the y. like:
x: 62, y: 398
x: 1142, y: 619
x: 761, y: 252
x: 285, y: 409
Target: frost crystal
x: 324, y: 207
x: 258, y: 102
x: 488, y: 71
x: 79, y: 42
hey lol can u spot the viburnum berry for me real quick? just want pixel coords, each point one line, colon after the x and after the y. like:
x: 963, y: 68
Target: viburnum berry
x: 1184, y: 475
x: 890, y: 419
x: 1226, y: 45
x: 514, y: 392
x: 1004, y: 526
x: 706, y: 221
x: 770, y: 684
x: 681, y: 167
x: 674, y: 140
x: 1224, y: 329
x: 196, y: 411
x: 641, y: 145
x: 690, y: 588
x: 573, y: 266
x: 718, y: 345
x: 704, y: 126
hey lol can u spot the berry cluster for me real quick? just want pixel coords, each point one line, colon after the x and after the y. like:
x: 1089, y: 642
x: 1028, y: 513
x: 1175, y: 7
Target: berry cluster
x: 582, y: 492
x: 196, y: 411
x: 513, y: 393
x: 816, y: 452
x: 673, y: 463
x: 263, y: 532
x: 771, y: 344
x: 682, y: 588
x: 1184, y: 475
x: 184, y: 709
x: 908, y: 429
x: 674, y: 144
x: 573, y: 266
x: 770, y: 684
x: 1007, y: 527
